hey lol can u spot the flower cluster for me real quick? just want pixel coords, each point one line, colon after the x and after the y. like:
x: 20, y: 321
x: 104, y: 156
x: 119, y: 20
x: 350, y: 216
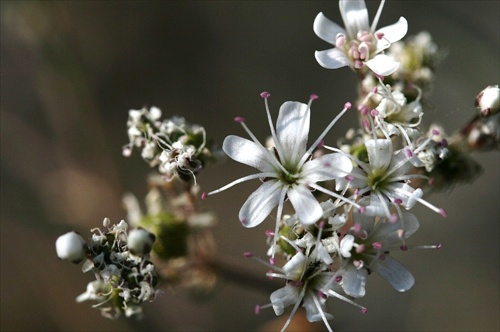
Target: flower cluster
x: 350, y: 202
x: 173, y: 145
x: 125, y: 278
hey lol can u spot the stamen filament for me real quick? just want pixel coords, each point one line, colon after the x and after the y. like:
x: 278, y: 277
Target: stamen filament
x: 240, y: 180
x: 320, y: 138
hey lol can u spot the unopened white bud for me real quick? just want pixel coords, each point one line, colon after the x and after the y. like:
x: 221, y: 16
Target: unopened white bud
x: 140, y: 241
x: 71, y: 247
x: 488, y: 100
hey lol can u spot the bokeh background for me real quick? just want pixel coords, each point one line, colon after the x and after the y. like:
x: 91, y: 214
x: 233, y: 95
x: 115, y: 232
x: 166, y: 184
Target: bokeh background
x: 71, y: 70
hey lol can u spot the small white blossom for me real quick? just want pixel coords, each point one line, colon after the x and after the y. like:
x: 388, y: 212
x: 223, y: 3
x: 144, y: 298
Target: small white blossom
x: 140, y: 241
x: 366, y: 249
x: 359, y: 44
x: 488, y: 100
x: 71, y: 247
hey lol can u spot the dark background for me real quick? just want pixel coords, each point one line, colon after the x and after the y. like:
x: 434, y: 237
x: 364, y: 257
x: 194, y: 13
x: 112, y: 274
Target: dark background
x: 71, y: 70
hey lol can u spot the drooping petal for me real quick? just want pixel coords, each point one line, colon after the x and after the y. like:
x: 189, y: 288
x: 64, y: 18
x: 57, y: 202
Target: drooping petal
x: 355, y: 16
x: 327, y: 167
x: 313, y: 313
x: 260, y: 203
x: 326, y: 29
x: 305, y: 204
x: 394, y: 32
x: 332, y: 58
x: 354, y: 281
x: 247, y: 152
x: 382, y: 65
x: 292, y: 129
x: 284, y: 297
x: 379, y: 153
x: 393, y: 272
x: 367, y: 222
x: 410, y: 224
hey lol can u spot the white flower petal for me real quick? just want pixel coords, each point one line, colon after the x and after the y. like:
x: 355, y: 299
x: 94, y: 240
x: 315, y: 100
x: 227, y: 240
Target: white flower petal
x: 260, y: 203
x: 355, y: 16
x: 396, y: 31
x: 305, y: 204
x: 292, y: 129
x: 327, y: 167
x: 247, y: 152
x: 382, y: 65
x: 295, y: 266
x: 354, y: 281
x: 326, y: 29
x: 366, y: 222
x: 332, y: 58
x: 393, y: 272
x: 346, y: 245
x: 410, y: 224
x: 379, y: 153
x: 313, y: 313
x: 284, y: 297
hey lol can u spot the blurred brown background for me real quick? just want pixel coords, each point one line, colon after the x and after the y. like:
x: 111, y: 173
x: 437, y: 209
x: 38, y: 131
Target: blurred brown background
x: 71, y: 70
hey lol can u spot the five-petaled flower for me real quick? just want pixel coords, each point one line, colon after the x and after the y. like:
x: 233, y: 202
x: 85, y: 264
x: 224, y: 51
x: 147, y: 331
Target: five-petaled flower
x: 286, y: 170
x: 358, y: 44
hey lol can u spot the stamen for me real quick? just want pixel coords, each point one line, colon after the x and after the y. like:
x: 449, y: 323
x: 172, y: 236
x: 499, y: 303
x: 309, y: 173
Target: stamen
x: 331, y: 193
x: 284, y: 190
x: 295, y: 307
x: 265, y: 94
x: 318, y: 306
x: 339, y: 40
x: 323, y: 134
x: 240, y: 180
x: 260, y: 260
x: 345, y: 299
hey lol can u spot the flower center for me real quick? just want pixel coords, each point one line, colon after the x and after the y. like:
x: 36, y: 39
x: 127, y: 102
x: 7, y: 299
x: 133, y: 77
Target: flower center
x: 375, y: 179
x: 359, y: 49
x: 288, y: 178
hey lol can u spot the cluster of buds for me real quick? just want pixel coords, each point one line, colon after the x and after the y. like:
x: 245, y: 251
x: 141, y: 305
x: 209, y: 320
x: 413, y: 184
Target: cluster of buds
x: 419, y: 57
x: 125, y: 278
x: 176, y: 147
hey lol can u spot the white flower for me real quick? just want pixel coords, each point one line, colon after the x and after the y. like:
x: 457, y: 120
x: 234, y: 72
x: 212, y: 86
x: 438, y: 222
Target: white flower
x: 287, y: 170
x: 309, y: 282
x: 384, y: 179
x: 71, y: 247
x: 367, y: 248
x: 359, y: 44
x: 397, y: 114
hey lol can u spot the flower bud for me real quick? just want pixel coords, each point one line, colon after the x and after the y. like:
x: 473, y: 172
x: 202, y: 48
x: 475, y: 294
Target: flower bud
x: 71, y: 247
x: 140, y: 241
x: 488, y: 100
